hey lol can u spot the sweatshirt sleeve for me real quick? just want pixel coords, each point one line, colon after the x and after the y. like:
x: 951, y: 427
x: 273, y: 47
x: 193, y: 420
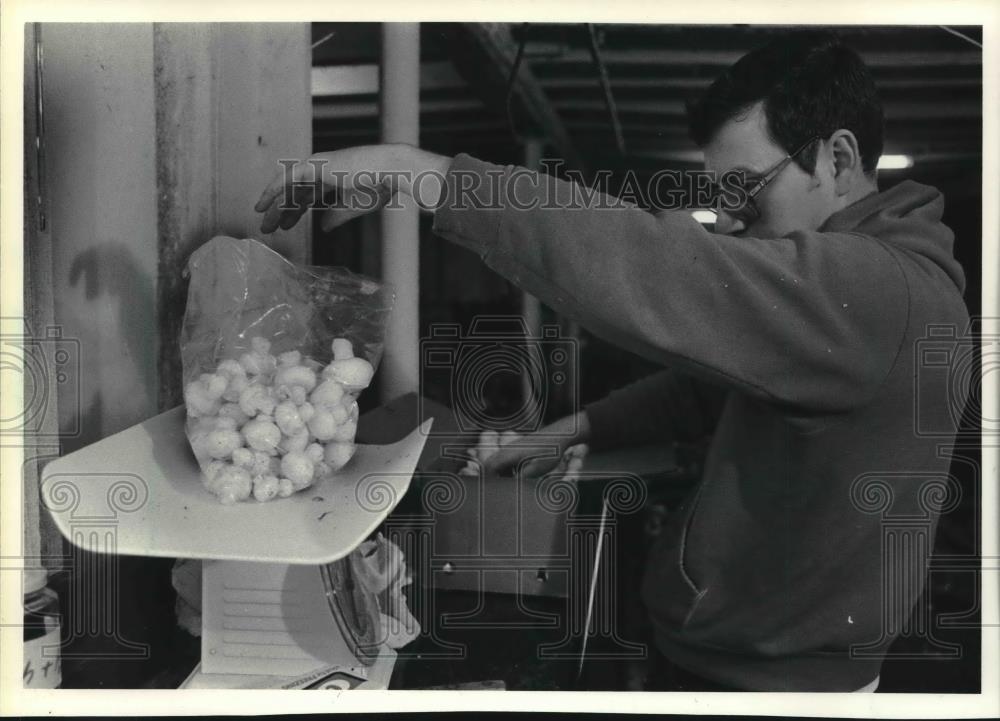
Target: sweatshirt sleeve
x: 665, y: 406
x: 813, y: 320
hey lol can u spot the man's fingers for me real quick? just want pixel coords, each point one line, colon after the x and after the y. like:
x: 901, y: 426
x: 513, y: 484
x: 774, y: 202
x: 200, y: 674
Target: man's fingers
x: 302, y: 174
x: 511, y: 458
x: 290, y: 217
x: 539, y: 467
x: 284, y: 215
x: 277, y: 187
x: 270, y: 193
x: 353, y: 204
x: 269, y: 223
x: 504, y: 460
x: 304, y: 197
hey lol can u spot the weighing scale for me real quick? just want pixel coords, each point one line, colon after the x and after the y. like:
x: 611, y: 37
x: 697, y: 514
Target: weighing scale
x: 143, y: 487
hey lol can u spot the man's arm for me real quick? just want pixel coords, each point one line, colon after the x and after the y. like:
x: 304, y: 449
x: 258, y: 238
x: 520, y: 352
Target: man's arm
x: 813, y: 320
x: 663, y: 407
x: 660, y: 408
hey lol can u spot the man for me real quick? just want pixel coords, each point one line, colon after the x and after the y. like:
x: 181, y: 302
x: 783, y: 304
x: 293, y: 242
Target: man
x: 790, y: 332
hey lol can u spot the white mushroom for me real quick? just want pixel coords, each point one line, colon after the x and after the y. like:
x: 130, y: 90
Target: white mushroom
x: 225, y: 423
x: 354, y: 374
x: 315, y: 452
x: 232, y: 484
x: 262, y: 435
x: 306, y: 411
x: 289, y: 359
x: 298, y: 468
x: 286, y: 416
x: 221, y: 443
x: 257, y: 398
x: 336, y: 455
x: 296, y: 376
x: 322, y: 425
x: 295, y: 443
x: 258, y: 361
x: 262, y: 464
x: 233, y: 410
x: 236, y: 377
x: 198, y: 401
x: 265, y: 487
x: 295, y: 394
x: 213, y: 469
x: 244, y: 458
x: 340, y: 414
x: 328, y: 393
x: 215, y: 384
x: 346, y: 431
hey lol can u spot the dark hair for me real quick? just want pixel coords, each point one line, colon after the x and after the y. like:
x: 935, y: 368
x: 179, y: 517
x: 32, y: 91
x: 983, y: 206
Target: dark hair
x: 811, y: 84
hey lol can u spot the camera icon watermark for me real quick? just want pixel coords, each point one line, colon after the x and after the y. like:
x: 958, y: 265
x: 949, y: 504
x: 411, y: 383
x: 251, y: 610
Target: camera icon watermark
x: 498, y: 376
x: 49, y: 368
x: 949, y: 365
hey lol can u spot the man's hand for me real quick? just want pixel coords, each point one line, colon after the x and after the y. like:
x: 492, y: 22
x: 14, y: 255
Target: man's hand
x: 550, y: 442
x: 364, y: 179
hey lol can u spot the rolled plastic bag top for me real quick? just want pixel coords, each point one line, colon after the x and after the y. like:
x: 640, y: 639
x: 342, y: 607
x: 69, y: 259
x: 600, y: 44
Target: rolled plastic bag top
x: 241, y: 289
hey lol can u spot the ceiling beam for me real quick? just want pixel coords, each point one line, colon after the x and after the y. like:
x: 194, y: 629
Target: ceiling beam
x: 648, y: 160
x: 725, y: 58
x: 472, y: 128
x: 340, y: 80
x: 652, y: 83
x: 484, y: 54
x: 894, y: 110
x: 655, y: 148
x: 344, y: 110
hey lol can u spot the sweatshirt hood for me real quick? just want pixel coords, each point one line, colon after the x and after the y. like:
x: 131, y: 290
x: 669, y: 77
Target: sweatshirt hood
x: 908, y: 216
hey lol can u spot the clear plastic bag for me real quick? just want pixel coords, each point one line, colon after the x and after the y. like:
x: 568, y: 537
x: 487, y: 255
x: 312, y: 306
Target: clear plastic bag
x: 245, y: 298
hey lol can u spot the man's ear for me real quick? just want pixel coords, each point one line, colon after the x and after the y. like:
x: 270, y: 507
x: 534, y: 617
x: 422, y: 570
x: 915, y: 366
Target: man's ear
x: 846, y: 160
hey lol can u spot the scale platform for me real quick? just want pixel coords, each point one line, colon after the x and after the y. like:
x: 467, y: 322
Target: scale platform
x: 144, y: 487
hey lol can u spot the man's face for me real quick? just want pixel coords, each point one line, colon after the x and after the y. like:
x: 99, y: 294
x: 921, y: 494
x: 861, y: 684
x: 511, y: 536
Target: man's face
x: 794, y: 200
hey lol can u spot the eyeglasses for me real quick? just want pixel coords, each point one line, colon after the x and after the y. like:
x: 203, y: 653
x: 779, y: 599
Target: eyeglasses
x: 749, y: 211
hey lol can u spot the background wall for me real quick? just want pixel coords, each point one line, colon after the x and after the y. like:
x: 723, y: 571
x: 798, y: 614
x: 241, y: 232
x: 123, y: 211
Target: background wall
x: 100, y: 148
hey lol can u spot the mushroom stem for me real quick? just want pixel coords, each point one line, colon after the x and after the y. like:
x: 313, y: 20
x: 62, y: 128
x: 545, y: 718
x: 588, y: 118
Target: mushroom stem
x: 342, y: 349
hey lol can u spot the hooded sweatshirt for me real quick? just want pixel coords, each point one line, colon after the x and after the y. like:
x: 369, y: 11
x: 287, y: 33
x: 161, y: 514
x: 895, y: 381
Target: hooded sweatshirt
x: 798, y: 558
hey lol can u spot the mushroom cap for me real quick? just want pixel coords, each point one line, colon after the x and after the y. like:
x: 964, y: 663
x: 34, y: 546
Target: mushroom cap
x: 354, y: 374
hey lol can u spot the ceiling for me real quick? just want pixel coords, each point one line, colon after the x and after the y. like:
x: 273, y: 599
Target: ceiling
x: 930, y: 81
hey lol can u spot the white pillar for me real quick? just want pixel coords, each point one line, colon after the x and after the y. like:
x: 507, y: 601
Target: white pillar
x: 400, y: 115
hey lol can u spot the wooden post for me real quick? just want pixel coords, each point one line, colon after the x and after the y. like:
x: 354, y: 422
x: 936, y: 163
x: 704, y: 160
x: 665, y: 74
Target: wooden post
x: 42, y: 541
x: 400, y: 98
x: 232, y: 99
